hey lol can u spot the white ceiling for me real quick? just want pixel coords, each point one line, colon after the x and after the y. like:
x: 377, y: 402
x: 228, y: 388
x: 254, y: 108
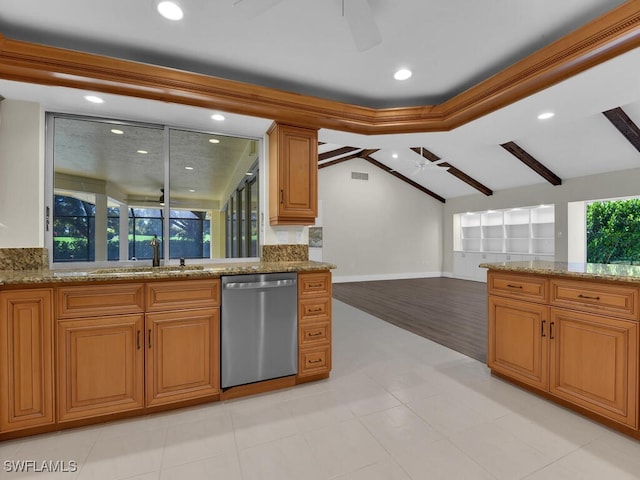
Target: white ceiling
x: 305, y: 46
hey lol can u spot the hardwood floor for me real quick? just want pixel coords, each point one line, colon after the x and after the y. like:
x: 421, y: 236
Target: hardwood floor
x: 448, y: 311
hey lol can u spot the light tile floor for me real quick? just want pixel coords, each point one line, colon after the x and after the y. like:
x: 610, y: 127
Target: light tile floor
x: 397, y: 407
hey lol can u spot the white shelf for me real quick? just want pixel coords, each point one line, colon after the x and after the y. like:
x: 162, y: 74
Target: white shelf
x: 520, y: 231
x: 471, y: 232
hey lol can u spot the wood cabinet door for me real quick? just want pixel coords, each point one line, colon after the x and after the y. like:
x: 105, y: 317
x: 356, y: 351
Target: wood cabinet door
x: 183, y: 355
x: 594, y: 363
x: 517, y: 341
x: 26, y: 359
x: 293, y: 174
x: 100, y: 366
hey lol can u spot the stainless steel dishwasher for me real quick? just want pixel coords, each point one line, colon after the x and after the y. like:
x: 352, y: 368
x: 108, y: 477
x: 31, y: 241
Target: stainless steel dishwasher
x: 258, y: 328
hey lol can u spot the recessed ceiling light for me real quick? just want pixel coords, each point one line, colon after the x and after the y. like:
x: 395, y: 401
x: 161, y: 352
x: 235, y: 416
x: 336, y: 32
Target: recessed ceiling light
x: 248, y: 174
x: 545, y: 115
x: 188, y: 168
x: 214, y: 140
x: 170, y: 10
x: 144, y: 152
x: 116, y: 131
x: 217, y: 117
x: 402, y: 74
x: 395, y: 155
x: 192, y: 190
x: 93, y: 99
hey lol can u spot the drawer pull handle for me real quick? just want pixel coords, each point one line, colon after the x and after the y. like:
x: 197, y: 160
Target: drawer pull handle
x: 513, y: 286
x: 315, y: 334
x: 588, y: 297
x: 138, y: 339
x: 315, y: 285
x: 149, y: 338
x: 315, y: 310
x: 542, y: 332
x: 315, y: 361
x: 551, y: 337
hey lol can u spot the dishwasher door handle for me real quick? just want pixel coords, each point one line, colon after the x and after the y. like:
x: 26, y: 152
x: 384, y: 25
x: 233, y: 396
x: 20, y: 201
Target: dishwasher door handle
x: 257, y: 285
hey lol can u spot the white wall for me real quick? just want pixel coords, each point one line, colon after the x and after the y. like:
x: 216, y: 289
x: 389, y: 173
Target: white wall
x: 378, y: 229
x: 21, y: 174
x: 594, y: 187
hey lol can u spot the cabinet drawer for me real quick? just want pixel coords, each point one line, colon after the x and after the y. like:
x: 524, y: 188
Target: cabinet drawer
x: 314, y: 360
x: 314, y: 284
x: 314, y: 333
x: 523, y: 287
x: 183, y: 295
x: 97, y: 300
x: 618, y: 300
x: 314, y: 310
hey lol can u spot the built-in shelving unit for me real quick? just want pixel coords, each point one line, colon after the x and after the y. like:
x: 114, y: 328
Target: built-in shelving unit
x: 514, y: 234
x: 523, y: 230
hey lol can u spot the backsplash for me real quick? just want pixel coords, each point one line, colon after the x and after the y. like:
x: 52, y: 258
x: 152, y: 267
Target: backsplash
x: 24, y: 258
x: 285, y: 253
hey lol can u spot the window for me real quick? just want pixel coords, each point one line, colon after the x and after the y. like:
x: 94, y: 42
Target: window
x: 110, y: 190
x: 613, y: 231
x: 241, y: 216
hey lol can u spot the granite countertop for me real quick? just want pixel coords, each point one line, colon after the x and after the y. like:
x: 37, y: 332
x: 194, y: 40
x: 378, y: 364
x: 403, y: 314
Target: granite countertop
x: 594, y: 271
x: 211, y: 270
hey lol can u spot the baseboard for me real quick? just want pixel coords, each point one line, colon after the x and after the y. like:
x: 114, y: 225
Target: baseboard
x: 463, y: 277
x: 384, y: 276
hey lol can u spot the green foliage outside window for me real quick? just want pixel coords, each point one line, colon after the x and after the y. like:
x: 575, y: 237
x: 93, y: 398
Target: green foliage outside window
x: 613, y: 232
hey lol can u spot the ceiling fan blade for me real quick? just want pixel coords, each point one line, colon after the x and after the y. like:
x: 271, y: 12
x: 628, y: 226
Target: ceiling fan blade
x: 253, y: 8
x: 363, y: 26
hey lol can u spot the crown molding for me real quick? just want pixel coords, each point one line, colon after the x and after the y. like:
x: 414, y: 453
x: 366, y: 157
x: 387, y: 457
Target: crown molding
x: 606, y: 37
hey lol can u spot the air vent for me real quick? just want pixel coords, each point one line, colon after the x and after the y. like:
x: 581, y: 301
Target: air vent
x: 359, y: 176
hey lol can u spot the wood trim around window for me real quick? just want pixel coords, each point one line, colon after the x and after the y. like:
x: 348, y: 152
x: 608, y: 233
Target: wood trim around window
x: 606, y: 37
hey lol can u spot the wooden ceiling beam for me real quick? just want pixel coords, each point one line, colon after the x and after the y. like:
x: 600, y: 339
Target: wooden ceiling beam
x: 518, y: 152
x: 602, y: 39
x: 391, y: 171
x: 360, y: 154
x: 336, y: 152
x: 625, y: 125
x: 459, y: 174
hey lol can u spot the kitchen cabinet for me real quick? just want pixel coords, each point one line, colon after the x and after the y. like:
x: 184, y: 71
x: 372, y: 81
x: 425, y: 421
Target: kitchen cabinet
x: 576, y: 340
x: 517, y: 343
x: 26, y: 359
x: 314, y: 324
x: 100, y: 366
x: 293, y: 175
x: 594, y: 363
x: 183, y: 345
x: 100, y: 349
x: 105, y: 361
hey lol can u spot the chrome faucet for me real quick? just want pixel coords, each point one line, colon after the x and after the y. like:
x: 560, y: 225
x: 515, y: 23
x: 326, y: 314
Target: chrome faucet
x: 155, y: 243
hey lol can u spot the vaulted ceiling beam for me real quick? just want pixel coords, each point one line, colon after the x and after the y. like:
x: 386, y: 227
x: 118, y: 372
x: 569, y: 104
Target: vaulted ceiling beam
x: 335, y: 153
x: 391, y: 171
x: 459, y: 174
x: 518, y: 152
x: 360, y: 154
x: 625, y: 125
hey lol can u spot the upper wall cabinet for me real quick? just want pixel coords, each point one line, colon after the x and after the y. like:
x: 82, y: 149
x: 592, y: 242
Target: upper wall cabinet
x: 293, y: 175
